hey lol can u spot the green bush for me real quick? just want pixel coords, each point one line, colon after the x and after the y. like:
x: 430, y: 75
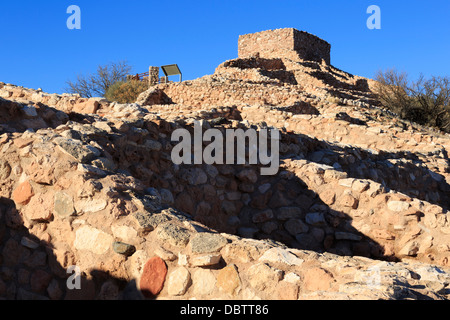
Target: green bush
x: 126, y: 92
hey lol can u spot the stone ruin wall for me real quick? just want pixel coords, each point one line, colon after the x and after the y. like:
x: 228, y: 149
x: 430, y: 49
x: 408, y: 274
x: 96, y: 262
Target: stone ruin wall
x: 307, y: 205
x: 153, y: 76
x: 226, y: 198
x: 205, y: 95
x: 285, y: 43
x: 310, y: 204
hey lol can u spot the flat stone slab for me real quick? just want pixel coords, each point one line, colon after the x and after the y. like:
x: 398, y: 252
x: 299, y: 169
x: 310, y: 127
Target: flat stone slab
x: 205, y: 260
x: 93, y: 240
x: 398, y: 206
x: 81, y: 152
x: 207, y: 242
x: 90, y: 206
x: 173, y: 234
x: 151, y: 221
x: 281, y: 256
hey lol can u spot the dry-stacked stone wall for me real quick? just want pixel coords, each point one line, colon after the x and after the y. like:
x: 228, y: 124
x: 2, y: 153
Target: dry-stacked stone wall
x: 285, y: 43
x: 358, y: 207
x: 112, y: 203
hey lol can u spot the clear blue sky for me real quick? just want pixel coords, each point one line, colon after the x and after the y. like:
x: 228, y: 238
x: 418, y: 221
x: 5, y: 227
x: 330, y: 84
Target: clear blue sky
x: 37, y: 49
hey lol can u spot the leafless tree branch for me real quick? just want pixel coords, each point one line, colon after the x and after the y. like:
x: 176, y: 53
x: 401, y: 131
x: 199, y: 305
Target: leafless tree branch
x: 98, y: 83
x: 425, y: 101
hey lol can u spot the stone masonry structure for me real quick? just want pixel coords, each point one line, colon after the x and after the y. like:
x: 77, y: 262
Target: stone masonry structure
x: 285, y: 43
x: 153, y: 76
x: 358, y: 209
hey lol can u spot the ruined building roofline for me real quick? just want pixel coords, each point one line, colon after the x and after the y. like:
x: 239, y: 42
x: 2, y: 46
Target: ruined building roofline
x: 288, y: 43
x: 283, y: 29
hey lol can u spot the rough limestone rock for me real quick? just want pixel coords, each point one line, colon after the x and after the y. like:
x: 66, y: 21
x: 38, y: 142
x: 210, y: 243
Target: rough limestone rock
x: 93, y: 240
x: 23, y: 193
x: 81, y: 152
x: 178, y: 281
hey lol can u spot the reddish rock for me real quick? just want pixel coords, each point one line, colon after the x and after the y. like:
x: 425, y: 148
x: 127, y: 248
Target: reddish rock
x: 40, y: 208
x: 23, y: 193
x: 40, y: 281
x: 153, y: 277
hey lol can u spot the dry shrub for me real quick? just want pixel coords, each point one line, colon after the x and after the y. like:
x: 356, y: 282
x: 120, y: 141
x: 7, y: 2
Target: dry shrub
x: 126, y: 92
